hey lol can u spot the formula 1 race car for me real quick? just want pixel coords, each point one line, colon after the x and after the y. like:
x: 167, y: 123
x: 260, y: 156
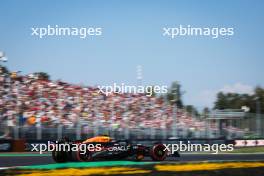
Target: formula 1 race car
x: 104, y: 148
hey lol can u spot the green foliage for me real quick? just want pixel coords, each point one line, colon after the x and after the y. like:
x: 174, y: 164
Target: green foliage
x: 174, y: 95
x: 151, y: 91
x: 191, y: 110
x: 3, y: 70
x: 236, y: 101
x: 42, y: 75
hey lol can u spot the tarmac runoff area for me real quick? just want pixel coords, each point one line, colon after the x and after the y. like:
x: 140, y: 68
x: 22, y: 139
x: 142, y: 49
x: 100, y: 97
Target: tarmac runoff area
x: 28, y: 164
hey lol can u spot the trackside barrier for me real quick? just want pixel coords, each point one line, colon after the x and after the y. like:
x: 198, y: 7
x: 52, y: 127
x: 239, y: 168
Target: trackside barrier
x: 12, y: 145
x: 22, y: 145
x: 5, y: 145
x: 249, y: 143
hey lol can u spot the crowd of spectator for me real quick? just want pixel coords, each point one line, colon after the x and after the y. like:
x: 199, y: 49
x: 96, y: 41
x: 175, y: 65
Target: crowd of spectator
x: 26, y: 100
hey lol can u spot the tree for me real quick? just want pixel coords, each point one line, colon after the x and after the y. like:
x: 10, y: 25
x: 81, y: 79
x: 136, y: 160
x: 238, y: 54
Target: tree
x: 205, y: 112
x: 150, y: 91
x: 174, y: 94
x: 221, y: 102
x: 236, y: 101
x: 191, y: 110
x: 42, y: 75
x: 3, y: 70
x: 259, y: 98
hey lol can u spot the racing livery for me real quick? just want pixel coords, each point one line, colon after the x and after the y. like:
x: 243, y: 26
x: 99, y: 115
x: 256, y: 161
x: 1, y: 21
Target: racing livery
x: 105, y: 148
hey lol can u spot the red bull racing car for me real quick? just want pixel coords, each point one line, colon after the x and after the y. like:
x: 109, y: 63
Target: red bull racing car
x: 105, y: 148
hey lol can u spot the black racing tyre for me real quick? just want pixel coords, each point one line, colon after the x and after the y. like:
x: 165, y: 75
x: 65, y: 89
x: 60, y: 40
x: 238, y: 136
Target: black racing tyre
x: 74, y: 156
x: 79, y: 156
x: 59, y: 156
x: 158, y: 152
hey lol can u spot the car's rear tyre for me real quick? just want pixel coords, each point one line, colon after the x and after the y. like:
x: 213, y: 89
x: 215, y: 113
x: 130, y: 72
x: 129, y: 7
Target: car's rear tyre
x: 158, y: 152
x: 80, y: 156
x: 59, y: 156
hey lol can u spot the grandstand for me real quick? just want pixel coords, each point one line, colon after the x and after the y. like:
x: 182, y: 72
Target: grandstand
x: 36, y: 108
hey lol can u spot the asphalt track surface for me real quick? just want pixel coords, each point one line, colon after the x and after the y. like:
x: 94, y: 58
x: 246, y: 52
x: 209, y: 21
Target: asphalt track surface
x: 24, y: 160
